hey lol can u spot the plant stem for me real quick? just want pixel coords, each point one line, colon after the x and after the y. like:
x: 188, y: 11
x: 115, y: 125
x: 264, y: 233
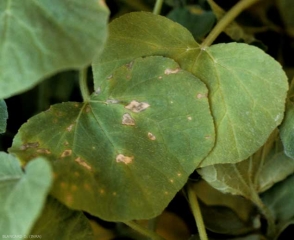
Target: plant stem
x: 83, y: 84
x: 226, y: 20
x: 143, y: 230
x: 197, y: 213
x: 157, y: 7
x: 271, y: 227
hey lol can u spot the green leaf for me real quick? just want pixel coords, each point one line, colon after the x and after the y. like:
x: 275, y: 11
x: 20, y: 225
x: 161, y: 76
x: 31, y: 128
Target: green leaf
x: 254, y: 175
x: 247, y: 88
x: 3, y: 116
x: 40, y: 38
x: 126, y: 153
x: 225, y: 213
x: 280, y: 199
x: 196, y: 20
x: 59, y: 222
x: 22, y: 194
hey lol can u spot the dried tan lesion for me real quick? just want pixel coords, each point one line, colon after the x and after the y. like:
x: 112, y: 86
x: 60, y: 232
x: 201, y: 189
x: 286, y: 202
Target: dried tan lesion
x: 70, y: 127
x: 124, y: 159
x: 201, y: 95
x: 66, y: 153
x: 29, y: 145
x: 169, y: 71
x: 151, y: 136
x: 80, y: 161
x: 43, y: 150
x: 136, y: 106
x: 128, y: 120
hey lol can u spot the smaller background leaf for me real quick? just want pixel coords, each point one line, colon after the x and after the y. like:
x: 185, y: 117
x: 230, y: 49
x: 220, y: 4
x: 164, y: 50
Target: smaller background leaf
x: 22, y: 194
x: 59, y: 222
x: 3, y: 116
x: 280, y: 200
x: 198, y: 21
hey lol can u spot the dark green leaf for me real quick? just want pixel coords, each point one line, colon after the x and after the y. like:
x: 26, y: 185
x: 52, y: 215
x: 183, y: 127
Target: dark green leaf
x: 280, y: 200
x: 247, y: 88
x: 126, y: 153
x: 59, y: 222
x: 40, y: 38
x: 3, y: 116
x: 22, y: 194
x: 286, y: 10
x: 196, y: 20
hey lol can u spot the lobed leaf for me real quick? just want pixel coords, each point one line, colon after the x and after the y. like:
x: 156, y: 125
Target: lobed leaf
x: 59, y: 222
x: 38, y: 38
x: 247, y: 88
x: 22, y: 194
x: 126, y: 153
x: 3, y: 116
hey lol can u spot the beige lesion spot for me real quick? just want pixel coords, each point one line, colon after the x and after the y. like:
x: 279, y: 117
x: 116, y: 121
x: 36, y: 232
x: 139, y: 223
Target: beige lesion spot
x: 169, y: 71
x: 179, y: 174
x: 136, y: 106
x: 29, y: 145
x: 189, y: 118
x: 171, y: 181
x: 74, y: 188
x: 128, y: 120
x: 80, y: 161
x: 114, y: 193
x: 124, y: 159
x: 201, y: 95
x: 70, y: 127
x: 43, y: 150
x: 101, y: 191
x: 151, y: 136
x: 66, y: 153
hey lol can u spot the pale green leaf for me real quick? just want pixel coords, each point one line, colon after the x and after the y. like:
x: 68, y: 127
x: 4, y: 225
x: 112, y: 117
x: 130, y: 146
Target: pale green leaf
x: 247, y: 88
x: 59, y: 222
x: 40, y: 38
x: 280, y: 200
x: 117, y: 160
x: 3, y: 116
x: 254, y: 175
x: 22, y: 194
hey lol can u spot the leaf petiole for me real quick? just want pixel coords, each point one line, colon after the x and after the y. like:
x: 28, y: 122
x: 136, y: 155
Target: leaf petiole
x: 144, y: 231
x: 157, y: 7
x: 196, y: 213
x: 83, y: 84
x: 226, y: 20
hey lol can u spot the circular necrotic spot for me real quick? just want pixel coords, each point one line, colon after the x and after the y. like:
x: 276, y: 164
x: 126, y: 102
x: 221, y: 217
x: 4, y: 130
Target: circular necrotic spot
x: 151, y: 136
x: 124, y: 159
x: 136, y: 106
x: 66, y: 153
x: 128, y: 120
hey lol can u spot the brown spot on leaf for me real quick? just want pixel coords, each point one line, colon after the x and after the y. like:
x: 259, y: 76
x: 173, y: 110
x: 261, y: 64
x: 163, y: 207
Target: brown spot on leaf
x: 66, y: 143
x: 112, y: 101
x: 151, y: 136
x: 29, y: 145
x: 124, y: 159
x: 88, y: 109
x: 189, y: 118
x: 70, y: 127
x: 43, y: 150
x: 74, y: 187
x: 201, y: 95
x: 136, y: 106
x: 110, y: 76
x: 130, y: 65
x: 128, y: 120
x: 66, y: 153
x: 83, y: 163
x: 169, y: 71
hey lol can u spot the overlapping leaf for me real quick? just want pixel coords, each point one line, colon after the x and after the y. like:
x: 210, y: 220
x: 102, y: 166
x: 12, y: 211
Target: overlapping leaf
x: 59, y: 222
x: 254, y: 175
x: 3, y: 116
x: 280, y: 199
x: 247, y: 88
x: 126, y: 153
x: 37, y: 39
x: 22, y: 194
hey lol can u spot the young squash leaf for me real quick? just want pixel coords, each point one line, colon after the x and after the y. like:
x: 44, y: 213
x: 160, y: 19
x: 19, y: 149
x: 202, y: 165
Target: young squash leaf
x: 22, y: 194
x: 125, y: 154
x: 247, y: 88
x: 3, y: 116
x: 59, y: 222
x: 254, y: 175
x: 280, y: 199
x: 38, y: 38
